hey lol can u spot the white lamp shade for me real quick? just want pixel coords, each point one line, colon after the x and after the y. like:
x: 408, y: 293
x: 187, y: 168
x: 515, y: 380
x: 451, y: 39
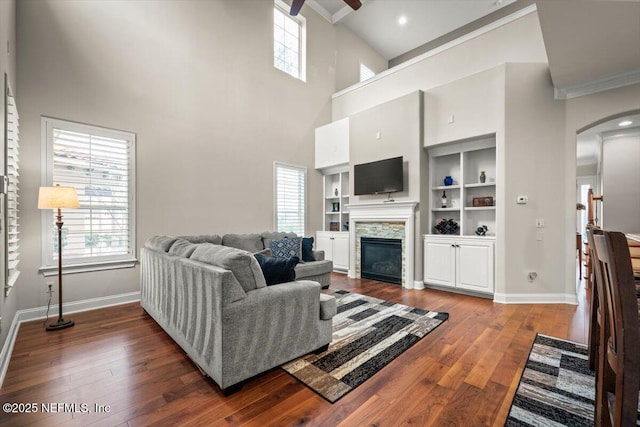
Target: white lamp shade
x: 57, y: 198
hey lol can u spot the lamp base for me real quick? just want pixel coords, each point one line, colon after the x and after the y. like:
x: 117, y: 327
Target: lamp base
x: 60, y: 324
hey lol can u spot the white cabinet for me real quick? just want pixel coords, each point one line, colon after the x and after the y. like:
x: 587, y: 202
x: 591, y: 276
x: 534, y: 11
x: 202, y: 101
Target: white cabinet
x: 462, y: 263
x: 332, y: 144
x: 336, y: 248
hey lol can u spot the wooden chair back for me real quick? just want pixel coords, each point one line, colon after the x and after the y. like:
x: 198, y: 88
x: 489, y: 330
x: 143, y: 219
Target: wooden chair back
x: 619, y: 380
x: 598, y: 304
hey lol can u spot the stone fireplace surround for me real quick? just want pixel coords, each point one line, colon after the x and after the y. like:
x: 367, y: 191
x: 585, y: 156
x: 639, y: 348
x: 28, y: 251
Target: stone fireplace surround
x: 387, y: 220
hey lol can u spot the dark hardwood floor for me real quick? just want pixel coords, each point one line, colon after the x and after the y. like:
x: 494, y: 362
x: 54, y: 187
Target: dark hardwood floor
x: 462, y: 374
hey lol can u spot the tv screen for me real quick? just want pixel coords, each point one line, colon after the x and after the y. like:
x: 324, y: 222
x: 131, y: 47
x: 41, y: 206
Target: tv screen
x: 383, y: 176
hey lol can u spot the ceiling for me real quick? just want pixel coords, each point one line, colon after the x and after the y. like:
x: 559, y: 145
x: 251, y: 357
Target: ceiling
x: 376, y: 22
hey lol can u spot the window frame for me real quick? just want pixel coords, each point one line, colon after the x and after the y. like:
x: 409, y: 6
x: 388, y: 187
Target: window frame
x: 303, y: 170
x: 95, y: 263
x: 302, y: 40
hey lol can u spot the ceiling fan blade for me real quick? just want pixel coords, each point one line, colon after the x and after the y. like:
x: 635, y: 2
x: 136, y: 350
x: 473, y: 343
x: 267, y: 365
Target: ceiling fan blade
x: 355, y: 4
x: 296, y: 5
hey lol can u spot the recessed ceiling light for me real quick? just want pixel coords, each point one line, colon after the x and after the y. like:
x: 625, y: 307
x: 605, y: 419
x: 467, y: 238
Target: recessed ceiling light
x: 402, y: 20
x: 625, y: 123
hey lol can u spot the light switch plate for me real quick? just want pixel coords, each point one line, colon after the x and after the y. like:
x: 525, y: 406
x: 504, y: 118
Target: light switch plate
x: 540, y: 223
x: 522, y: 200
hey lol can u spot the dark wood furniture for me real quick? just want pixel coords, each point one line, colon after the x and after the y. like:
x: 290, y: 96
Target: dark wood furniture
x: 579, y: 249
x: 597, y: 300
x: 618, y: 368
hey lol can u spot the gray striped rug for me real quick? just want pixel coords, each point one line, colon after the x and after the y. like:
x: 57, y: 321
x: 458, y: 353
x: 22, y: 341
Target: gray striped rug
x: 557, y: 388
x: 368, y: 333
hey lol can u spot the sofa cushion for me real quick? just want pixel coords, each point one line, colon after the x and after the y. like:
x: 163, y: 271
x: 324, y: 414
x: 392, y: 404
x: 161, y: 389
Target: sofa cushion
x: 241, y: 263
x: 269, y: 236
x: 182, y: 248
x: 287, y: 247
x: 160, y: 243
x: 247, y: 242
x: 203, y: 238
x: 328, y: 306
x: 314, y: 268
x: 307, y: 249
x: 277, y: 270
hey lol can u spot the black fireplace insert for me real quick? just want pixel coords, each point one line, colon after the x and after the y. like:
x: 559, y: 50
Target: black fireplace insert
x: 381, y: 259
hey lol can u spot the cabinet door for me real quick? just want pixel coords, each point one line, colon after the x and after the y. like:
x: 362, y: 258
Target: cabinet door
x: 325, y: 243
x: 341, y: 251
x: 475, y: 261
x: 439, y: 262
x: 332, y: 144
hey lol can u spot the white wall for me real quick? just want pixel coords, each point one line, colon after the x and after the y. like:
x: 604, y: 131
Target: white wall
x: 621, y: 183
x: 580, y: 114
x: 352, y: 51
x: 195, y: 81
x: 534, y: 167
x: 518, y: 41
x: 8, y: 305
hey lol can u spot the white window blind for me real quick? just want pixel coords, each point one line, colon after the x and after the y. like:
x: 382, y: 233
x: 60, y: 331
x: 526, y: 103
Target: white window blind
x: 288, y: 42
x: 11, y: 211
x: 290, y: 198
x: 99, y: 163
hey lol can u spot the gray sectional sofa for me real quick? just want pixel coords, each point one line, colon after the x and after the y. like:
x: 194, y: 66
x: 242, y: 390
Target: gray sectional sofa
x: 212, y: 299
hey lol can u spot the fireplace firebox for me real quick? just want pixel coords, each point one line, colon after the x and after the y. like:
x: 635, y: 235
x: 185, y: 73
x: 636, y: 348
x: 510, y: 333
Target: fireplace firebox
x: 381, y: 259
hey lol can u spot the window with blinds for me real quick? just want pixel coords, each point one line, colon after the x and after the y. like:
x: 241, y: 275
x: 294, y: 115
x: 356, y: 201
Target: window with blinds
x: 11, y: 212
x: 99, y: 163
x: 290, y: 198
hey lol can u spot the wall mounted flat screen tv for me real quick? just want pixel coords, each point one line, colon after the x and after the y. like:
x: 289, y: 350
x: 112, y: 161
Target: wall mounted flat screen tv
x: 383, y: 176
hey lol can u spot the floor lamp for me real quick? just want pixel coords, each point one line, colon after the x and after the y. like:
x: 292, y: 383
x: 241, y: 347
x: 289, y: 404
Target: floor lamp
x: 58, y: 198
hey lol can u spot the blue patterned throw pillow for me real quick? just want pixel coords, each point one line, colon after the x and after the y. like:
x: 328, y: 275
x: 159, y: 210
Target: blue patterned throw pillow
x: 287, y: 247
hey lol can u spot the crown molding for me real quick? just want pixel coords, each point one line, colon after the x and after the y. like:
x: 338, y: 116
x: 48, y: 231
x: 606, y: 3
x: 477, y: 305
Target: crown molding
x: 599, y: 85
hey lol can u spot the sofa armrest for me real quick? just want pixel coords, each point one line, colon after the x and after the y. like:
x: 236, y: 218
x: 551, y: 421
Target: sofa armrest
x: 318, y: 255
x: 271, y: 326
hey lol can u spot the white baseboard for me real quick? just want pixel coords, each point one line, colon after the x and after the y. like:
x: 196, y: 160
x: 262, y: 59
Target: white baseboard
x: 418, y: 284
x: 40, y: 313
x: 536, y: 298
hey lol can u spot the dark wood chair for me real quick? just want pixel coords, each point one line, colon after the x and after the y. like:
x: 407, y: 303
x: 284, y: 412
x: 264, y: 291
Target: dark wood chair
x: 618, y: 370
x: 597, y: 301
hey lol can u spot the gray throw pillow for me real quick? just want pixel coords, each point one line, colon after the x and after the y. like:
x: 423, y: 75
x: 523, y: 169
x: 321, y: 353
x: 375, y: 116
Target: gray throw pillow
x: 203, y: 238
x: 287, y: 247
x: 182, y: 248
x: 160, y: 243
x: 246, y: 242
x: 241, y: 263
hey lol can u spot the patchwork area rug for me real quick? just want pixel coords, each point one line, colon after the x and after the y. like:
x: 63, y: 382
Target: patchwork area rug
x: 557, y: 388
x: 368, y: 333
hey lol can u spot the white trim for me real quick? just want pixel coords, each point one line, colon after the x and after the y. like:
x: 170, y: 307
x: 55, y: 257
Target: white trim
x: 385, y: 212
x: 453, y: 43
x: 47, y: 124
x: 40, y: 312
x: 313, y: 4
x: 599, y: 85
x: 418, y: 284
x: 302, y: 41
x: 302, y: 169
x: 84, y: 268
x: 536, y: 298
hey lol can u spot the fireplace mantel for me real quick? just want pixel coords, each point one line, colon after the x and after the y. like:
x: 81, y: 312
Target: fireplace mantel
x: 385, y: 212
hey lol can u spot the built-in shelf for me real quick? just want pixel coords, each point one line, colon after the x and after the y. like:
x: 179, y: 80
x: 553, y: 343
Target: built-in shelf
x: 332, y: 212
x: 480, y: 184
x: 479, y: 208
x: 466, y: 162
x: 445, y: 209
x: 332, y: 197
x: 336, y: 180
